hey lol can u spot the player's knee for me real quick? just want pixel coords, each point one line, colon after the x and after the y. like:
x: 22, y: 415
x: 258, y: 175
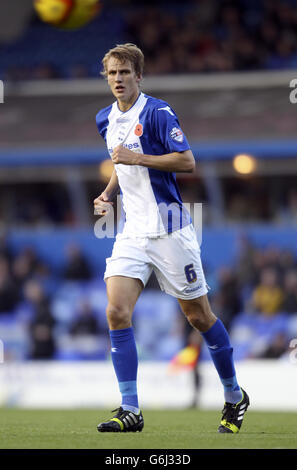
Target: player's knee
x: 199, y: 314
x: 201, y: 324
x: 118, y: 316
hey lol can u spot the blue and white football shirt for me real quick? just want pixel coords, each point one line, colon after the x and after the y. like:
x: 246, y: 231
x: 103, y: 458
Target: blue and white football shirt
x: 151, y: 200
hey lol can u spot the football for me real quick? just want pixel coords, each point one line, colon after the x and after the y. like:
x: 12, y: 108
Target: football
x: 67, y: 14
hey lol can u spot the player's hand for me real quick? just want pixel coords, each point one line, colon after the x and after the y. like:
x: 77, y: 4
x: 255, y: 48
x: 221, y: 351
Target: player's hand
x: 102, y: 205
x: 125, y: 156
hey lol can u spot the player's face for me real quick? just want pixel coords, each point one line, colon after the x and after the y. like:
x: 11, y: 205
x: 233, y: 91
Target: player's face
x: 123, y: 82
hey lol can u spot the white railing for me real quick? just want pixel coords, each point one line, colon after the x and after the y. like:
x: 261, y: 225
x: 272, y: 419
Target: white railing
x: 163, y: 83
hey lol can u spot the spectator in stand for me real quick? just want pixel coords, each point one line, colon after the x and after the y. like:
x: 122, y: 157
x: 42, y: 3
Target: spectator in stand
x: 290, y: 292
x: 41, y: 327
x: 246, y: 54
x: 5, y: 251
x: 287, y: 262
x: 24, y: 266
x: 9, y: 294
x: 86, y: 322
x: 227, y: 300
x: 287, y: 214
x: 268, y: 296
x: 278, y: 346
x: 267, y: 36
x: 246, y: 270
x: 77, y: 267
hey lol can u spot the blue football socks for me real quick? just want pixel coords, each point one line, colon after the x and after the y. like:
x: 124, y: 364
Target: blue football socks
x: 125, y: 363
x: 217, y: 340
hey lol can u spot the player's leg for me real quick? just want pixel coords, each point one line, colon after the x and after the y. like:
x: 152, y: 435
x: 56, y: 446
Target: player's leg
x: 201, y: 317
x: 127, y: 272
x: 182, y: 276
x: 198, y: 312
x: 122, y: 294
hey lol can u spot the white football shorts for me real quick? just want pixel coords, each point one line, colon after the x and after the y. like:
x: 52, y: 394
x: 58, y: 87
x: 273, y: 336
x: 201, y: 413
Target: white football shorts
x: 175, y: 259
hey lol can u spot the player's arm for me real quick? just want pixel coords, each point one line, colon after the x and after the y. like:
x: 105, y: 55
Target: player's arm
x: 177, y: 162
x: 103, y: 202
x: 164, y: 128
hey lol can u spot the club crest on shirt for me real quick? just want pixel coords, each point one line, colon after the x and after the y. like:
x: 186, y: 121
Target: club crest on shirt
x: 176, y: 134
x: 138, y: 130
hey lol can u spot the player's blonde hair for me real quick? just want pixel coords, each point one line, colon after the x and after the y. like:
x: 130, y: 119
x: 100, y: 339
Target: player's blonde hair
x: 124, y: 52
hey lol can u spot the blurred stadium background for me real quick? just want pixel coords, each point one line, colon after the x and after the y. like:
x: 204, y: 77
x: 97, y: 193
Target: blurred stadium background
x: 226, y: 68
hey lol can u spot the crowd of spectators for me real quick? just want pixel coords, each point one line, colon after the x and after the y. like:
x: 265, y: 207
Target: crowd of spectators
x: 214, y: 36
x: 27, y: 281
x: 200, y: 36
x: 262, y: 283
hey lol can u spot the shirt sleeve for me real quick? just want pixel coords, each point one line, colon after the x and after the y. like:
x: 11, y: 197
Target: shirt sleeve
x: 102, y: 121
x: 168, y: 130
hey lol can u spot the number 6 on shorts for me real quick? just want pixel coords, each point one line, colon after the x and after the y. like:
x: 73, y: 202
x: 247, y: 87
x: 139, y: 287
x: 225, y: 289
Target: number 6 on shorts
x: 190, y: 273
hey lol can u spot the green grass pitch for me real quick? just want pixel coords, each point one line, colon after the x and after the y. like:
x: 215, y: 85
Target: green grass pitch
x: 163, y: 429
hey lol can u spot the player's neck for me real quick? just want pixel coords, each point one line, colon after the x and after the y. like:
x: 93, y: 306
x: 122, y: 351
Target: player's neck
x: 124, y: 106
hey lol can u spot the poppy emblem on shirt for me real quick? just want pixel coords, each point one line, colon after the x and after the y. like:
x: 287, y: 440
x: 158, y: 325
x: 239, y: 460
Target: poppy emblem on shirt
x: 138, y: 130
x: 176, y: 134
